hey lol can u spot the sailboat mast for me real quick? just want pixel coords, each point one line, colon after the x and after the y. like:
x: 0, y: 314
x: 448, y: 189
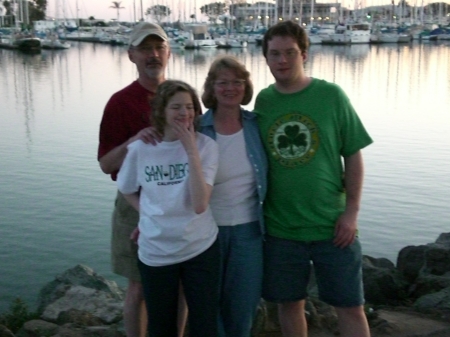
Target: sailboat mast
x: 290, y: 9
x: 276, y: 12
x: 300, y: 14
x: 76, y: 13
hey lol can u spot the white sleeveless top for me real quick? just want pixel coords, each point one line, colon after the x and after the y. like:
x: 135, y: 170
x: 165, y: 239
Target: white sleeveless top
x: 234, y: 199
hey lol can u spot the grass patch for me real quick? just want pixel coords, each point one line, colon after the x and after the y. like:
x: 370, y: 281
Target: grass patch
x: 17, y: 315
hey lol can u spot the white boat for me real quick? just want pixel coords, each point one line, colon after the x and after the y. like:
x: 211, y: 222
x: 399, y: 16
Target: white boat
x: 27, y: 43
x: 86, y: 34
x: 445, y: 36
x: 373, y: 38
x: 54, y: 43
x: 404, y: 38
x: 314, y: 39
x: 232, y: 41
x: 351, y: 33
x: 205, y: 43
x: 112, y: 38
x: 325, y: 31
x: 221, y: 42
x: 21, y: 42
x: 380, y: 37
x: 388, y: 38
x: 235, y: 43
x: 200, y: 43
x: 199, y: 37
x: 105, y: 39
x: 251, y: 38
x: 7, y: 42
x: 176, y: 43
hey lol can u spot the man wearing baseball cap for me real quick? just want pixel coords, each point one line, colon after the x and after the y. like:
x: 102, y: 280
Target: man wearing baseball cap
x: 126, y: 118
x: 144, y: 29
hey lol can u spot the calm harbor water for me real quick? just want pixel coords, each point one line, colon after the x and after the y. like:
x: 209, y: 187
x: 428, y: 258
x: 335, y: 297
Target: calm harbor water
x: 55, y: 203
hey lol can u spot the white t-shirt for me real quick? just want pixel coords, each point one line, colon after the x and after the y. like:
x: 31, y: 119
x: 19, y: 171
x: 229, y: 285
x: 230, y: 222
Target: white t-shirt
x: 234, y: 199
x: 170, y: 230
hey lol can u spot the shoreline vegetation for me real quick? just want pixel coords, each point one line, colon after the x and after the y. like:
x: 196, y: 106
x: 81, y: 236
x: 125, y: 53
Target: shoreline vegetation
x: 409, y: 299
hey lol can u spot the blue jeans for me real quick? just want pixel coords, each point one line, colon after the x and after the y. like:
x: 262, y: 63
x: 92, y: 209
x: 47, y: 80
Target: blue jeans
x: 199, y: 277
x: 241, y: 274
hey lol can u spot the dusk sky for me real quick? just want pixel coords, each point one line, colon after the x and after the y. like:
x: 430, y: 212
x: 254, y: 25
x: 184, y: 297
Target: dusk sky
x: 100, y: 9
x: 181, y: 9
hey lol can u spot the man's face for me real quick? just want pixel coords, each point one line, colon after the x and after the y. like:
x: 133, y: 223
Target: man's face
x: 285, y: 59
x: 150, y: 57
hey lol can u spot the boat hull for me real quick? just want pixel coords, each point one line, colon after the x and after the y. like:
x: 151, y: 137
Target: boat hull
x: 28, y: 44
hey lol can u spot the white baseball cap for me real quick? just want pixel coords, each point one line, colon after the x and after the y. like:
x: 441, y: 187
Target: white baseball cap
x: 144, y: 29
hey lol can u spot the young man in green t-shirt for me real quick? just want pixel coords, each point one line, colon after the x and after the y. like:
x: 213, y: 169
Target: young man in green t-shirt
x: 313, y: 139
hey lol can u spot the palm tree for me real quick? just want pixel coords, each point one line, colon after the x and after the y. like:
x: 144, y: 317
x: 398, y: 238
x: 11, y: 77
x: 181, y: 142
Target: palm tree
x: 117, y: 7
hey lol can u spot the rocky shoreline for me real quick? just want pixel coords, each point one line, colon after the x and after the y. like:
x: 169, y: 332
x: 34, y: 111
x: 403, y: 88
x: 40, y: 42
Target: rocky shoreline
x: 408, y: 299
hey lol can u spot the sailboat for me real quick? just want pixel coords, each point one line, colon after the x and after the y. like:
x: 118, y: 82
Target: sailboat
x: 52, y: 42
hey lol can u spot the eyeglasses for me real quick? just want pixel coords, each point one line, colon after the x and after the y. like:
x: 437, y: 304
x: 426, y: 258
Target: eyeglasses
x: 151, y: 49
x: 288, y: 55
x: 235, y: 83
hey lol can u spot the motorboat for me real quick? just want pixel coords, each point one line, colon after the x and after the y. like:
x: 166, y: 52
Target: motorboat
x: 54, y: 43
x: 351, y: 33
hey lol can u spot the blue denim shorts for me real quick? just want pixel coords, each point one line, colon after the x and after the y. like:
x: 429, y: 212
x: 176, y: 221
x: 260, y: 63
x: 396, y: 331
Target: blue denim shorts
x: 288, y: 265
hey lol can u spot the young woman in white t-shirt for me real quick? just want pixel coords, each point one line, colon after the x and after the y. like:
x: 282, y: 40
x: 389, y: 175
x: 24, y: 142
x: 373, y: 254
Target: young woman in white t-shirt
x: 170, y: 185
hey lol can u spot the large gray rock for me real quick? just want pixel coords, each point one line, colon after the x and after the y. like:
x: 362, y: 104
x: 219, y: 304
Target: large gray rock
x: 266, y: 318
x: 83, y: 290
x: 437, y: 260
x: 428, y: 284
x: 416, y: 262
x: 78, y: 317
x: 440, y: 333
x: 5, y: 332
x: 443, y: 240
x: 99, y: 303
x: 411, y: 260
x: 435, y: 301
x: 79, y: 275
x: 319, y: 315
x: 38, y: 328
x: 383, y: 284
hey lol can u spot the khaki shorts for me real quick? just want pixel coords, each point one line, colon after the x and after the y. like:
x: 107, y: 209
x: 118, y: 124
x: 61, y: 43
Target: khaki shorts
x: 123, y: 250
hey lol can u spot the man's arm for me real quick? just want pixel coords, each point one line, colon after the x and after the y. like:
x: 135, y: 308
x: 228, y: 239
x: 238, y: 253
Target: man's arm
x: 112, y: 161
x: 133, y: 200
x: 346, y: 225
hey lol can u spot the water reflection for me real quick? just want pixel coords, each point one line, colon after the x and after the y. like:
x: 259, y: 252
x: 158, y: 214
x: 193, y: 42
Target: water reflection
x: 387, y: 71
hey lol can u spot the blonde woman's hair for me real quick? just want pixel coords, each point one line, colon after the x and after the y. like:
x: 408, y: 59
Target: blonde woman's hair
x: 225, y: 63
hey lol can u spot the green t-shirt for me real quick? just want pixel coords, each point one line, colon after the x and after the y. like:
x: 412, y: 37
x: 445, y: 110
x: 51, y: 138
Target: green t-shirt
x: 306, y: 134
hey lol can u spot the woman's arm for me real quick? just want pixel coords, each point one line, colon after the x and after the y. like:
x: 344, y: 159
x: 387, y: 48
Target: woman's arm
x: 199, y: 190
